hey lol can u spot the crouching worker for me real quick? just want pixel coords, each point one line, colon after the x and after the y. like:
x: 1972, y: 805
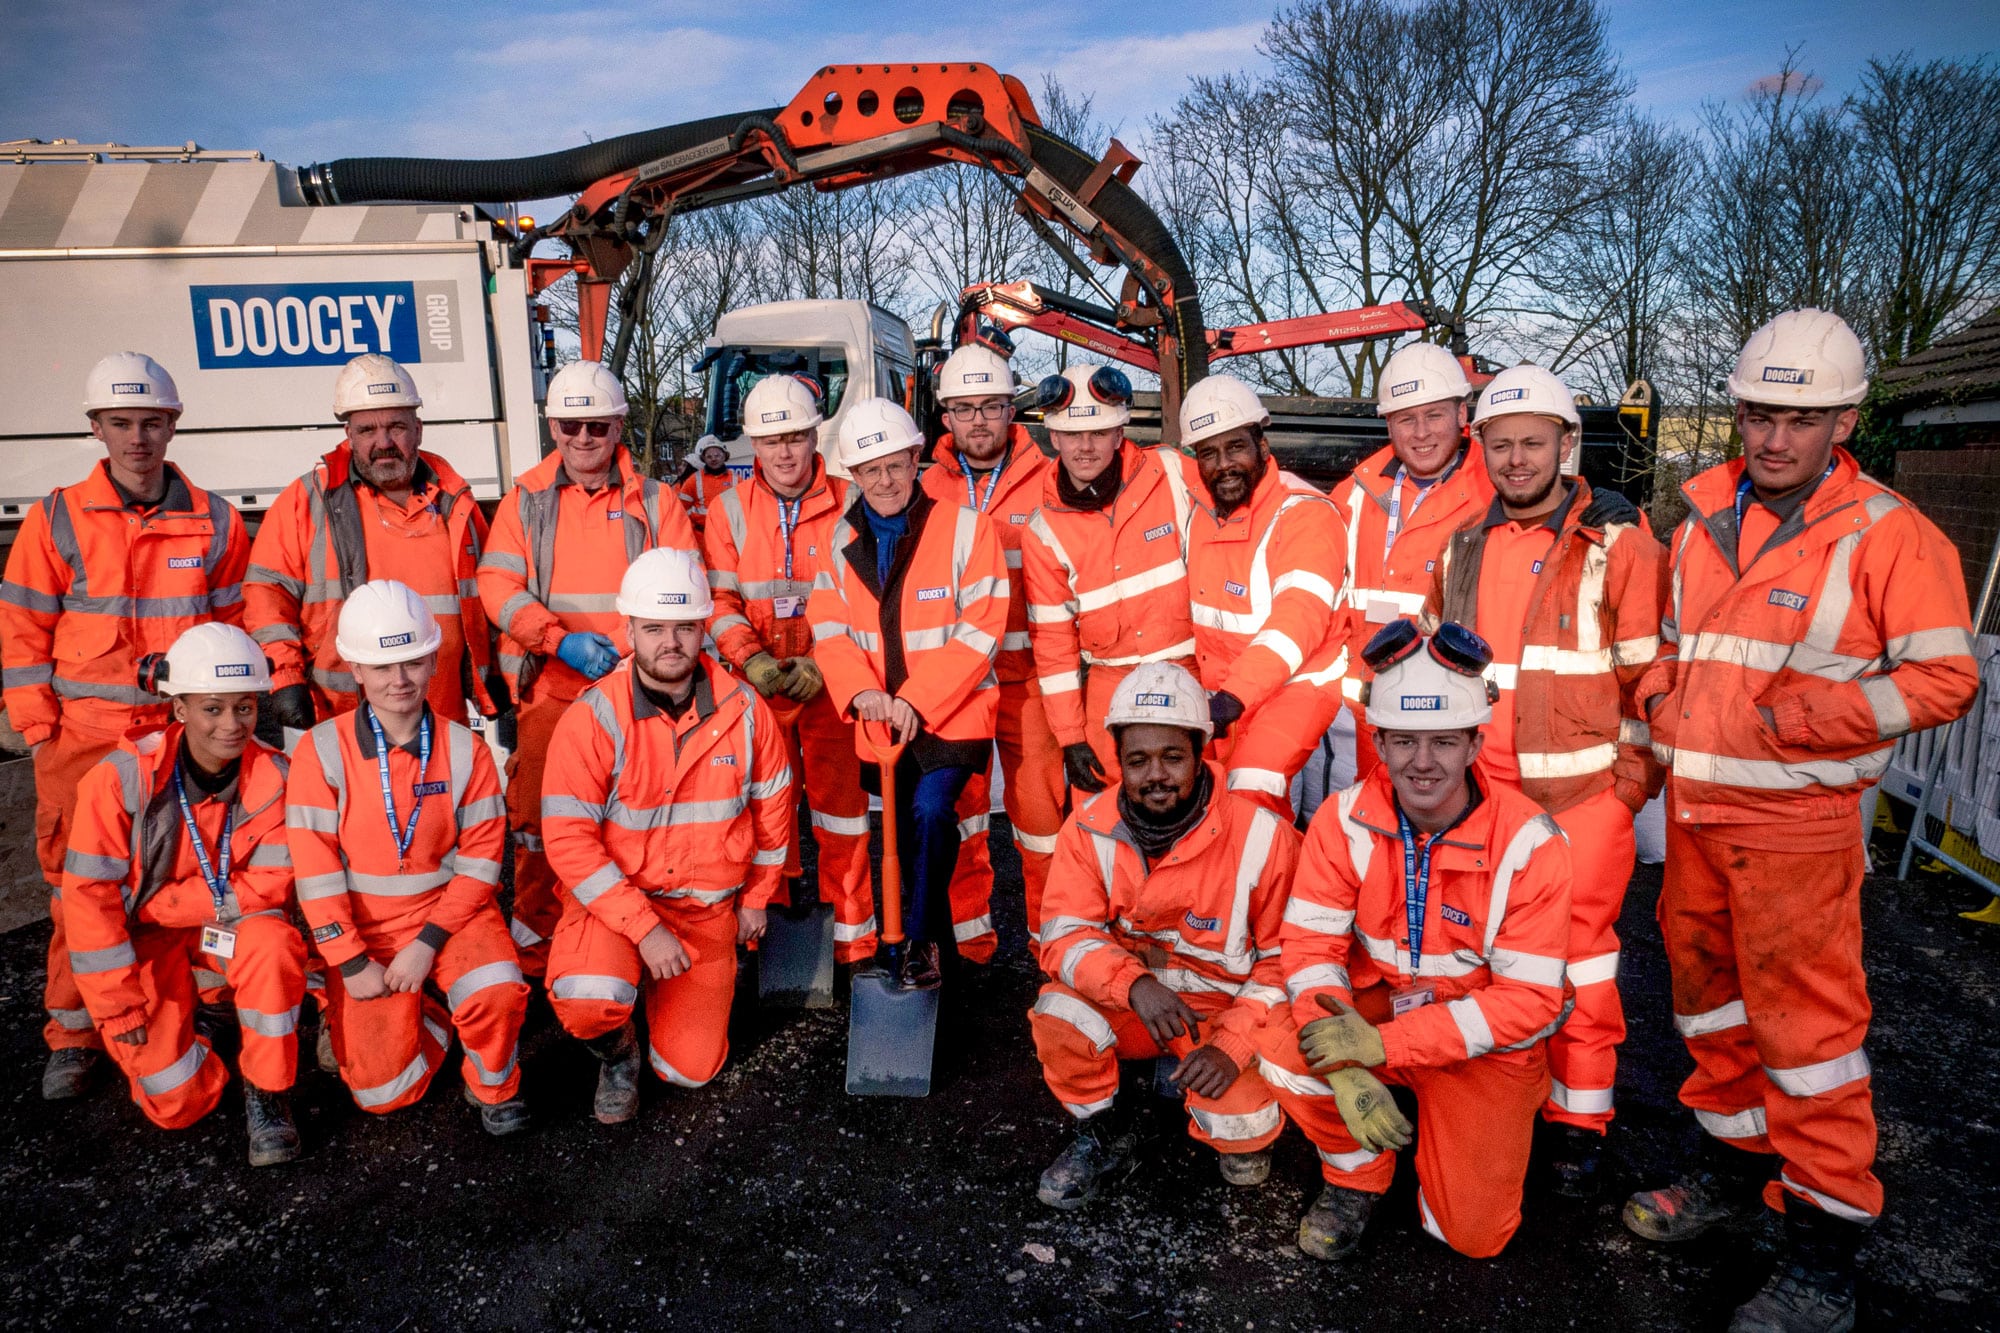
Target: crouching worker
x: 667, y: 815
x: 176, y: 879
x: 1424, y: 945
x: 397, y: 825
x: 1160, y: 927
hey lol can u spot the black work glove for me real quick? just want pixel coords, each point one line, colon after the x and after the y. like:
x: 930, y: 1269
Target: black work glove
x: 496, y: 690
x: 1608, y: 506
x: 293, y: 707
x: 1224, y: 709
x: 1080, y: 766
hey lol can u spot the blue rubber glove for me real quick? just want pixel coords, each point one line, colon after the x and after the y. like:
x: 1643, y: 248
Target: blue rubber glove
x: 592, y: 654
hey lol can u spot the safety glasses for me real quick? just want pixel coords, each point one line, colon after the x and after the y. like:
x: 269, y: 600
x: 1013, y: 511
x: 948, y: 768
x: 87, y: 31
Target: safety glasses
x: 1108, y: 385
x: 596, y: 430
x: 1454, y: 647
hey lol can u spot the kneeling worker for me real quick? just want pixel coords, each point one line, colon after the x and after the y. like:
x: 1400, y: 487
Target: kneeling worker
x: 399, y: 893
x: 1160, y: 927
x: 667, y: 814
x: 177, y: 866
x: 1456, y: 889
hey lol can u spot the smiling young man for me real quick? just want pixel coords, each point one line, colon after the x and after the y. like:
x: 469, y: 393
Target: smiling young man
x: 1815, y: 617
x: 103, y: 573
x: 1424, y: 945
x: 1565, y: 586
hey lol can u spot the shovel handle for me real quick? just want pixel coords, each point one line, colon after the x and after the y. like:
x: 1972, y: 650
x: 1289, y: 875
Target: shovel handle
x: 880, y: 739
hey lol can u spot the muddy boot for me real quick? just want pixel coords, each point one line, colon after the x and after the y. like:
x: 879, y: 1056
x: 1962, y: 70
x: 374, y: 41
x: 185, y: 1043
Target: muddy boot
x: 499, y: 1118
x: 1812, y: 1290
x: 1332, y: 1227
x: 1574, y: 1159
x: 618, y: 1082
x: 323, y: 1049
x: 1722, y: 1187
x: 1245, y: 1168
x: 1102, y: 1145
x: 268, y: 1117
x: 70, y: 1072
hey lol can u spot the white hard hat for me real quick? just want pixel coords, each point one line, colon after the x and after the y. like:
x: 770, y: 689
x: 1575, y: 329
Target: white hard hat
x: 875, y: 428
x: 1417, y: 690
x: 1526, y: 389
x: 780, y: 405
x: 373, y: 380
x: 975, y: 372
x: 215, y: 658
x: 384, y: 621
x: 1086, y: 398
x: 1218, y: 405
x: 584, y: 389
x: 1162, y: 694
x: 129, y: 379
x: 665, y: 584
x: 707, y: 442
x: 1803, y: 358
x: 1420, y: 373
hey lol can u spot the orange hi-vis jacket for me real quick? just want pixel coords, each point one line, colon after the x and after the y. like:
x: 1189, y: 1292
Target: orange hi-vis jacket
x: 1009, y: 497
x: 756, y: 536
x: 129, y: 864
x: 328, y: 533
x: 1205, y: 919
x: 932, y: 643
x: 1592, y: 631
x: 1849, y: 624
x: 1386, y: 585
x: 640, y: 805
x: 92, y: 586
x: 1108, y: 587
x: 1265, y: 587
x: 699, y: 492
x: 359, y: 897
x: 555, y: 559
x: 1496, y: 922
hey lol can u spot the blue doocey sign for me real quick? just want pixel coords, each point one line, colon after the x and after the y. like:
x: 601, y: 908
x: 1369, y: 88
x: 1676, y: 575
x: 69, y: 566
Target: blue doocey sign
x: 261, y: 325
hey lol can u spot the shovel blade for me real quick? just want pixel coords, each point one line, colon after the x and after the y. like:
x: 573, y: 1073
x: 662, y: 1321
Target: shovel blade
x: 795, y: 961
x: 890, y: 1036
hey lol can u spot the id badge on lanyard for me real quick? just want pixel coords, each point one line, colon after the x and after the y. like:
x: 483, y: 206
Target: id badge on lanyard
x: 788, y: 606
x: 215, y: 939
x: 1416, y: 895
x: 405, y: 835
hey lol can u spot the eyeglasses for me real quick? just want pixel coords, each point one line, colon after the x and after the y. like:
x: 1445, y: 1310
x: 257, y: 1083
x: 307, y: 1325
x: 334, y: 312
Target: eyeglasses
x: 1454, y: 647
x: 597, y: 430
x: 978, y: 411
x: 1108, y: 385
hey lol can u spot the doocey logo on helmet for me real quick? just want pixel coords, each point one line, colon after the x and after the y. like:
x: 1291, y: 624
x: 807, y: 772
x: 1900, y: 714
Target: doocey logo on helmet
x: 867, y: 440
x: 1509, y: 396
x: 1206, y: 419
x: 258, y: 326
x: 975, y: 377
x: 579, y: 400
x: 780, y: 415
x: 1423, y: 703
x: 135, y: 386
x: 672, y: 599
x: 1153, y: 701
x: 1786, y: 375
x: 394, y: 640
x: 226, y: 670
x: 1406, y: 387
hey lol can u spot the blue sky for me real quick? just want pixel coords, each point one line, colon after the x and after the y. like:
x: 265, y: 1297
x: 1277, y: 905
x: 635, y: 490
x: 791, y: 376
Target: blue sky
x: 308, y: 82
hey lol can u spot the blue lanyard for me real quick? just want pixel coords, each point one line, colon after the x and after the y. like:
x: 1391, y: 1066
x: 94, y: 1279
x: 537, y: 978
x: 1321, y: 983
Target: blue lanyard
x: 788, y: 522
x: 404, y: 836
x: 992, y: 480
x: 1416, y: 888
x: 217, y: 880
x: 1743, y: 489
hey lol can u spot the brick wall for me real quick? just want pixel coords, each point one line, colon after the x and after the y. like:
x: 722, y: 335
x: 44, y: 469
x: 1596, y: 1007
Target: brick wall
x: 1959, y: 490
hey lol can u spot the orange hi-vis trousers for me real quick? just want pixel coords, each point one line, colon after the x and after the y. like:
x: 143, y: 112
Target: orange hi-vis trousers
x: 1268, y: 745
x: 389, y: 1049
x: 1080, y: 1046
x: 536, y: 907
x: 596, y: 976
x: 59, y: 767
x: 1769, y: 994
x: 1583, y: 1052
x: 828, y: 776
x: 1033, y: 794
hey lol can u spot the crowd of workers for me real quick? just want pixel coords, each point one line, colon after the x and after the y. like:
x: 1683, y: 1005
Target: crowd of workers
x: 1150, y: 643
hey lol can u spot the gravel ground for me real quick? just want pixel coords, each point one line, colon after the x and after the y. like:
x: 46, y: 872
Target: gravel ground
x: 769, y: 1199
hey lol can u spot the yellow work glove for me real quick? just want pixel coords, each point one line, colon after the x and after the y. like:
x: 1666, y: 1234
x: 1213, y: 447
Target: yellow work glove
x: 764, y: 674
x: 803, y: 679
x: 1368, y: 1110
x: 1344, y: 1039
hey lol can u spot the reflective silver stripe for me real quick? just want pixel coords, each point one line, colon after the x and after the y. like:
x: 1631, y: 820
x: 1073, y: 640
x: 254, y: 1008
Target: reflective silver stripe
x: 1580, y: 1101
x: 1814, y: 1079
x: 14, y: 678
x: 606, y: 717
x: 1266, y: 780
x: 1319, y: 974
x: 669, y: 1073
x: 1055, y: 927
x: 1533, y: 968
x: 477, y: 812
x: 604, y: 877
x: 1302, y: 1085
x: 1457, y: 963
x: 269, y: 1025
x: 569, y: 807
x: 270, y: 855
x: 1885, y: 700
x: 31, y: 599
x: 75, y: 1020
x: 1742, y: 1125
x: 1074, y: 955
x: 312, y: 818
x: 504, y: 561
x: 1775, y: 775
x: 339, y: 682
x: 1237, y: 1128
x: 1041, y: 844
x: 707, y: 897
x: 66, y: 688
x: 1565, y: 661
x: 1520, y: 850
x: 1471, y: 1020
x: 175, y: 1074
x: 84, y: 865
x: 502, y: 973
x: 141, y: 608
x: 1927, y: 645
x: 1424, y: 1215
x: 584, y: 986
x: 853, y: 826
x: 973, y: 929
x: 513, y: 607
x: 775, y: 785
x: 313, y: 887
x: 674, y: 813
x: 860, y: 930
x: 1730, y: 1015
x: 582, y: 604
x: 1547, y: 765
x: 1079, y: 1015
x: 1634, y: 731
x: 1278, y: 642
x: 1827, y: 1203
x: 87, y: 962
x: 1320, y: 919
x: 493, y: 1078
x: 1085, y: 1110
x: 1348, y: 1161
x: 274, y: 578
x: 523, y: 935
x: 770, y: 856
x: 973, y: 826
x: 1594, y: 970
x: 384, y: 1093
x: 1635, y: 652
x: 402, y: 886
x: 479, y: 868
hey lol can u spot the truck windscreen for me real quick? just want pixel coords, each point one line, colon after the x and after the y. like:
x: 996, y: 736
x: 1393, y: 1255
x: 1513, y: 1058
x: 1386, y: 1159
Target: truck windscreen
x: 732, y: 370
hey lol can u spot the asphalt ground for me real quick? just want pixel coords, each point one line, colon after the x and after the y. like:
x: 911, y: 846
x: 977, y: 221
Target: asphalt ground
x: 771, y: 1200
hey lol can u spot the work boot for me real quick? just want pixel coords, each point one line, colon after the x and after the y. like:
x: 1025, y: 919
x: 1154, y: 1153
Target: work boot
x: 1332, y: 1227
x: 1245, y: 1168
x: 323, y: 1049
x: 1574, y: 1159
x: 1812, y: 1290
x: 618, y: 1082
x: 268, y: 1117
x: 499, y: 1118
x: 1723, y: 1186
x: 1099, y: 1148
x: 69, y: 1072
x: 920, y: 967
